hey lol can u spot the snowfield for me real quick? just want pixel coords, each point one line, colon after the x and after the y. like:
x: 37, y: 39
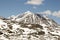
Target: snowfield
x: 29, y: 26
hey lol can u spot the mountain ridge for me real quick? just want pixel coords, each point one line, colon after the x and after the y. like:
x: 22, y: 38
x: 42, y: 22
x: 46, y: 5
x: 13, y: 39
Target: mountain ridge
x: 29, y: 26
x: 34, y: 18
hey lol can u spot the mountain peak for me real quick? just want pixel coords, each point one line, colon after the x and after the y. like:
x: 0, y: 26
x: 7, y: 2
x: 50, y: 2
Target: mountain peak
x: 22, y: 26
x: 30, y: 17
x: 29, y: 12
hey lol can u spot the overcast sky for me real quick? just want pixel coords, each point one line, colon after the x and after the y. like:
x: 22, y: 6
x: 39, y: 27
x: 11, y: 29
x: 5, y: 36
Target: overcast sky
x: 14, y: 7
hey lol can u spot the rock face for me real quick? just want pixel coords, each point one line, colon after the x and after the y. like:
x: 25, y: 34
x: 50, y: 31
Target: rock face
x: 29, y: 26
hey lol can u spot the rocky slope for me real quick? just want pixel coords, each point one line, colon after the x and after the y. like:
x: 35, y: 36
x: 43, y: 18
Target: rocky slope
x: 29, y: 26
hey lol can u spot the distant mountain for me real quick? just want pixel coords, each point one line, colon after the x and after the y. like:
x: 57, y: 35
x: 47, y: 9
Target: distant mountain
x: 29, y: 26
x: 29, y: 17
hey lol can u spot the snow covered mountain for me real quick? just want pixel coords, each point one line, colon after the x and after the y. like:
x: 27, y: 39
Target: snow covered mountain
x: 29, y: 17
x: 29, y: 26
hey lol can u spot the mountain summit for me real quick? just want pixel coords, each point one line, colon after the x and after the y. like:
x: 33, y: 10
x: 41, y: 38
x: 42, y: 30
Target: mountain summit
x: 29, y: 26
x: 33, y: 18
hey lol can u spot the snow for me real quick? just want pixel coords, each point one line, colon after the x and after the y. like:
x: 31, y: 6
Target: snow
x: 29, y: 25
x: 3, y: 24
x: 45, y: 16
x: 30, y: 17
x: 15, y: 26
x: 45, y: 30
x: 55, y: 33
x: 27, y: 30
x: 43, y: 25
x: 26, y: 14
x: 50, y: 22
x: 3, y: 38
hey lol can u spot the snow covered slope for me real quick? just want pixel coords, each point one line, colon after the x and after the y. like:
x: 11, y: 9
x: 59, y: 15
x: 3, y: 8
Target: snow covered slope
x: 29, y: 17
x: 29, y: 26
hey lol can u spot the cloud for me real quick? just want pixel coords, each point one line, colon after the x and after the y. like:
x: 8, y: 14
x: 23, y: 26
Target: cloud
x: 35, y: 2
x: 49, y: 12
x: 56, y: 13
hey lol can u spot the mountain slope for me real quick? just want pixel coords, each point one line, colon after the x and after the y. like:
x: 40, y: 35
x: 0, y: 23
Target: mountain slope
x: 29, y: 17
x: 29, y: 26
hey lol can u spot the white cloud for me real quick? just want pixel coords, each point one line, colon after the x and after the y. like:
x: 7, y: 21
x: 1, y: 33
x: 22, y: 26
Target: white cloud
x: 56, y: 13
x: 35, y: 2
x: 47, y: 12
